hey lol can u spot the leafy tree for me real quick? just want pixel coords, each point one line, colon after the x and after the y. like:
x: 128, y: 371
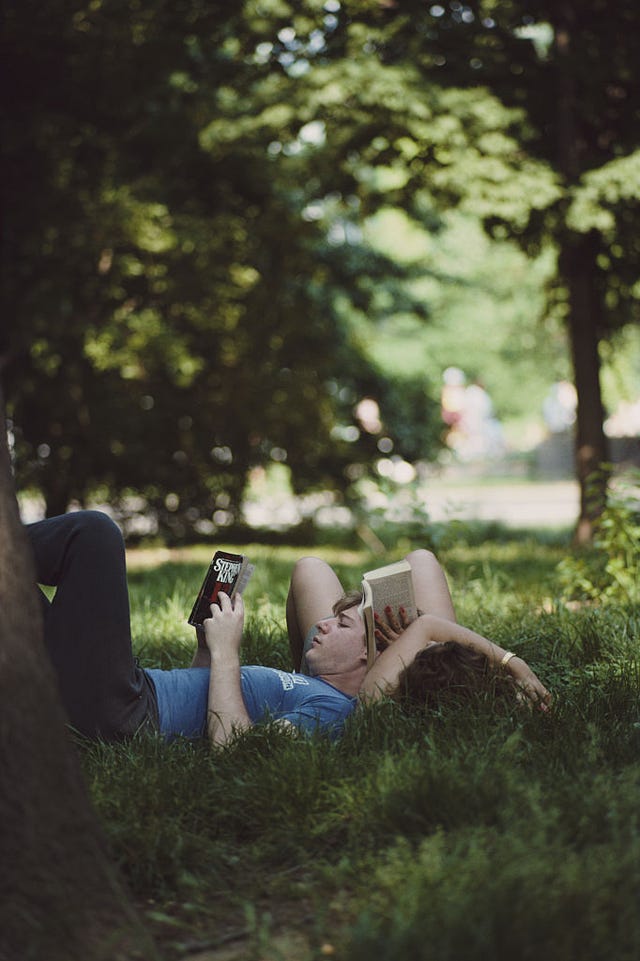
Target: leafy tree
x: 177, y: 309
x: 200, y: 313
x: 485, y: 299
x: 557, y: 159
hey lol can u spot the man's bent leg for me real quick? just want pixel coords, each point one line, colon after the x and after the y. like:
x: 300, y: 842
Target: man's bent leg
x: 313, y: 590
x: 430, y: 584
x: 87, y: 626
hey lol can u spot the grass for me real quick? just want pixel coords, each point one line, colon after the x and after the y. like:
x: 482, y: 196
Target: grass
x: 465, y: 834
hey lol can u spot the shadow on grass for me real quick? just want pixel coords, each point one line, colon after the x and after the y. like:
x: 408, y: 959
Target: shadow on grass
x: 461, y: 833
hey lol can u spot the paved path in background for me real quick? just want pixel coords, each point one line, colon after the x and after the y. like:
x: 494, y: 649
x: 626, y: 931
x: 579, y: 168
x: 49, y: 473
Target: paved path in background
x: 550, y: 504
x: 516, y: 504
x: 521, y: 504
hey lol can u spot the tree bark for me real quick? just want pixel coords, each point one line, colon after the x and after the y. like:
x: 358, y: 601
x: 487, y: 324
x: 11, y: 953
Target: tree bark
x: 578, y: 268
x: 60, y: 897
x: 578, y: 265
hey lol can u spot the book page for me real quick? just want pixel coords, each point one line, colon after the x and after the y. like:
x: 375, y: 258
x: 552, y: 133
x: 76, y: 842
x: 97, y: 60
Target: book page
x: 244, y: 577
x: 392, y: 585
x: 394, y: 591
x: 389, y: 586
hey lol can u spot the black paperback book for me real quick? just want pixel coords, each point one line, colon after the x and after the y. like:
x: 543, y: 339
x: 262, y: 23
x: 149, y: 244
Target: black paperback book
x: 228, y: 573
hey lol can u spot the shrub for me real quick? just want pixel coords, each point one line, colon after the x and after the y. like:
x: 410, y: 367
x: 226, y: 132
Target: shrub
x: 610, y: 569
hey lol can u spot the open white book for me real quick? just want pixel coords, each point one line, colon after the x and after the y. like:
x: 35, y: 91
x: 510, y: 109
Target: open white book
x: 388, y: 586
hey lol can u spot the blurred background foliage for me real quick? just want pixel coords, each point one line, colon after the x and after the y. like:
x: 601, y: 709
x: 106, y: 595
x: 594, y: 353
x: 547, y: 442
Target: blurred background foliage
x: 227, y: 224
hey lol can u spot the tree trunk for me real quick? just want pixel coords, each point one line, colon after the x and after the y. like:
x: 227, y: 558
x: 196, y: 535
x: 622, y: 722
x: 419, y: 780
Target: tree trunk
x: 60, y: 898
x: 578, y: 266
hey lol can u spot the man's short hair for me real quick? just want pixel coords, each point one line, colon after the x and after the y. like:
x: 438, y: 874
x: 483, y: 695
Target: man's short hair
x: 346, y: 602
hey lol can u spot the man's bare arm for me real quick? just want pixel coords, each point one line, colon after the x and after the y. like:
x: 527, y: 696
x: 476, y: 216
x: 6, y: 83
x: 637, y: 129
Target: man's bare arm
x: 227, y: 712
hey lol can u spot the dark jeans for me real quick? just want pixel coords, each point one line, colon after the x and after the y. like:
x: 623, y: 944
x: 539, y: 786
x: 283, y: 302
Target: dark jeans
x: 86, y: 626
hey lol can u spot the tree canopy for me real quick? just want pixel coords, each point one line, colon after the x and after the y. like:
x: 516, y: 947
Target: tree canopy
x: 563, y: 75
x: 175, y: 307
x: 187, y: 186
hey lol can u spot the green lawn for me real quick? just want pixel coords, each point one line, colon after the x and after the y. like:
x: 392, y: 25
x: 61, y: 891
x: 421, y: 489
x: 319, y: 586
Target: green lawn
x: 466, y: 834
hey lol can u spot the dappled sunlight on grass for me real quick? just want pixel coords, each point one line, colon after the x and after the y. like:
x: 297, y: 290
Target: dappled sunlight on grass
x: 464, y: 809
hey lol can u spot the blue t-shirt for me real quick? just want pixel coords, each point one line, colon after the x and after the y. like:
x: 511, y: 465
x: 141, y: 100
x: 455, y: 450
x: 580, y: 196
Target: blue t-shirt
x: 309, y: 703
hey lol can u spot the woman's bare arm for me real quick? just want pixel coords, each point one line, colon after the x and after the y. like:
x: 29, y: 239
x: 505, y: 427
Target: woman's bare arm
x: 383, y: 677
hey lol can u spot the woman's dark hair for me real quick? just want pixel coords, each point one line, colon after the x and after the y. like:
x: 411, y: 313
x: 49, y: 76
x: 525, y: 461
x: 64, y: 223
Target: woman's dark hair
x: 446, y: 673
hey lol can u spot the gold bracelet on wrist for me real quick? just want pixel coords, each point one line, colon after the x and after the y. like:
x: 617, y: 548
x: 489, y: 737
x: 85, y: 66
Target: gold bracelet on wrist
x: 507, y: 657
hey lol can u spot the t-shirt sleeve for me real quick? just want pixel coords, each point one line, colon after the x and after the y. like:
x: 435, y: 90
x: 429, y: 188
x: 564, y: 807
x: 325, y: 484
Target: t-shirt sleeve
x: 319, y: 714
x: 308, y: 703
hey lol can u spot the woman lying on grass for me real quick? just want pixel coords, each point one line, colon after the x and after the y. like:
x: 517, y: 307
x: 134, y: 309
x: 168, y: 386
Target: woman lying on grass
x: 424, y: 661
x: 108, y: 695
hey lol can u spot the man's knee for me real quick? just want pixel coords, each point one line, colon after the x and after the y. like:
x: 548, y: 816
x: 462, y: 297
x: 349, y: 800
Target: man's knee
x: 422, y: 557
x: 97, y: 525
x: 306, y: 570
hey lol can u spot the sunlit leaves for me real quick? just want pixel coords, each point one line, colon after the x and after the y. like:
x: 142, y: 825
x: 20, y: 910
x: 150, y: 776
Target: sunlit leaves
x: 193, y: 179
x: 600, y: 192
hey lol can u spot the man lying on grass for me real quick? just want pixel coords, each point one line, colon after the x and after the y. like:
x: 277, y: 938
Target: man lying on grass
x: 419, y: 661
x: 108, y: 695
